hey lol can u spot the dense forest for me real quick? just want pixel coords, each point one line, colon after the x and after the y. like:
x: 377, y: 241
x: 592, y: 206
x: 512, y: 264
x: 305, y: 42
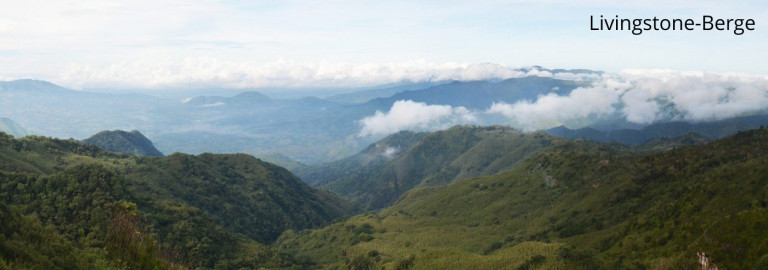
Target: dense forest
x: 561, y: 205
x: 577, y: 205
x: 68, y: 205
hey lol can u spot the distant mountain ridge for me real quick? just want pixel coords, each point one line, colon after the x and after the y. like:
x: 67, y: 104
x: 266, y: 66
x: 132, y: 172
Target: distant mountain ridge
x: 712, y: 130
x: 481, y: 94
x: 307, y: 130
x: 30, y: 85
x: 359, y: 97
x: 131, y: 143
x: 244, y: 98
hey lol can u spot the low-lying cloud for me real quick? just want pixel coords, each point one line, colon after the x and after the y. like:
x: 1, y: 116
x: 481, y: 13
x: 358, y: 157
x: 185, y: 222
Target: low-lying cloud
x: 553, y: 109
x: 410, y: 115
x: 692, y: 96
x: 644, y: 97
x: 636, y: 96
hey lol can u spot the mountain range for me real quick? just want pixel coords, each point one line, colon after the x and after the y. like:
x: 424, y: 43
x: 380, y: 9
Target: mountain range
x: 711, y: 130
x: 606, y: 194
x: 467, y: 197
x: 309, y: 130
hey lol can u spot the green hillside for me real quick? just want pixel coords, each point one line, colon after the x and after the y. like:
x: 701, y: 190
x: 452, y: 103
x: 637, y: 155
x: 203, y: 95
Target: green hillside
x: 113, y: 211
x: 130, y: 143
x: 577, y: 205
x: 420, y: 159
x: 372, y: 158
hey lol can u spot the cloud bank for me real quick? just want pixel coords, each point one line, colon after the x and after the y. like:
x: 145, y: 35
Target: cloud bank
x: 552, y: 109
x: 692, y: 96
x: 645, y: 97
x: 197, y: 72
x: 409, y: 115
x: 636, y: 96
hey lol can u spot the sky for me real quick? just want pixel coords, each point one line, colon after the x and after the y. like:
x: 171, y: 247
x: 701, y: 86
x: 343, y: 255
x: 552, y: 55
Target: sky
x: 251, y: 44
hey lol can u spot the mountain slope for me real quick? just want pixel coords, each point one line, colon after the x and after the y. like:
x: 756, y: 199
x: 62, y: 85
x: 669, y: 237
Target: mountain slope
x: 372, y: 158
x: 131, y: 143
x: 578, y: 205
x: 9, y: 127
x: 437, y: 158
x: 241, y: 193
x: 209, y: 211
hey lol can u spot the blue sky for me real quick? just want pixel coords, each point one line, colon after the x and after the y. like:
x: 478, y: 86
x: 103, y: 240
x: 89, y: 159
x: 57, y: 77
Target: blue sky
x: 169, y: 43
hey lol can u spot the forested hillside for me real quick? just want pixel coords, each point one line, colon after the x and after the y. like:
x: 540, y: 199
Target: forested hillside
x: 75, y: 206
x: 576, y: 205
x: 420, y: 159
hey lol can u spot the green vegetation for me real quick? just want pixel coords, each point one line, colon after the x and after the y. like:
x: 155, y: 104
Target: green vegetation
x: 66, y: 205
x: 576, y: 205
x: 130, y: 143
x: 662, y: 144
x: 465, y: 198
x: 375, y: 180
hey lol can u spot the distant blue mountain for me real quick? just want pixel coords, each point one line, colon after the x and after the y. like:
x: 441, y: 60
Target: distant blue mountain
x: 32, y: 86
x: 309, y: 130
x: 711, y: 130
x: 481, y: 94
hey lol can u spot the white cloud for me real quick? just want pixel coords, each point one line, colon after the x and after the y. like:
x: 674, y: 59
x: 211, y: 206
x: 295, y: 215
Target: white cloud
x: 217, y: 104
x: 390, y: 152
x: 539, y: 73
x: 409, y: 115
x: 639, y: 107
x: 645, y: 97
x: 210, y: 71
x: 552, y: 109
x: 692, y: 96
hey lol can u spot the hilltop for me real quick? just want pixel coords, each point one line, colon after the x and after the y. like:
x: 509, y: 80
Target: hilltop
x: 130, y: 143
